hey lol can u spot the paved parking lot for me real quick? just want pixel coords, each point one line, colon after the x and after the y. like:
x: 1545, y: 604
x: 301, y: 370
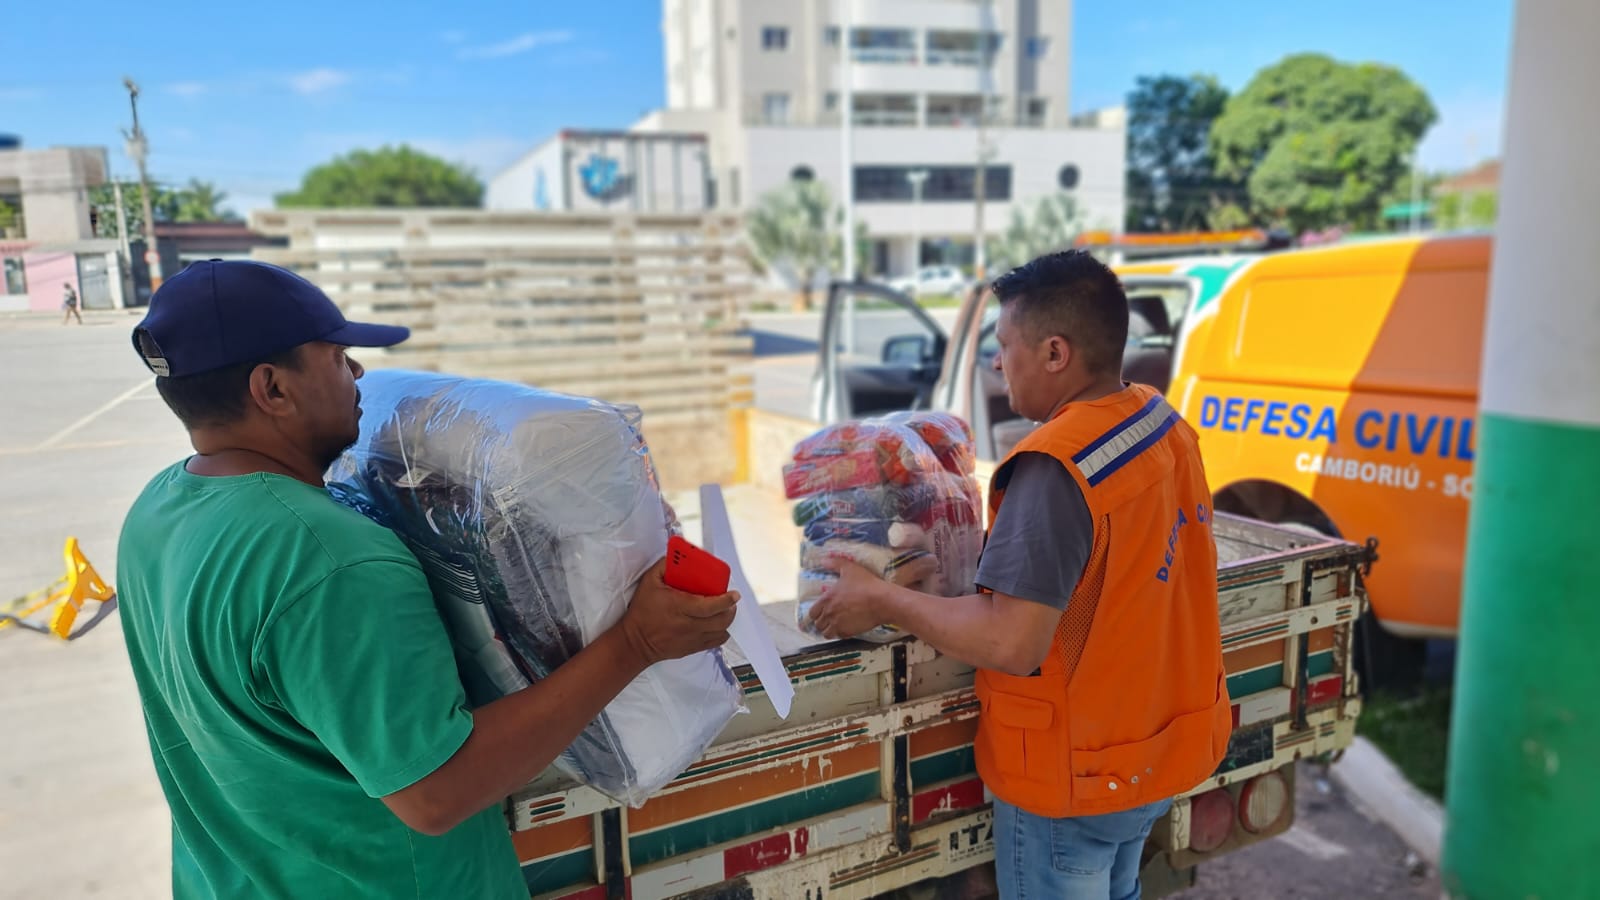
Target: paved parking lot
x: 81, y: 814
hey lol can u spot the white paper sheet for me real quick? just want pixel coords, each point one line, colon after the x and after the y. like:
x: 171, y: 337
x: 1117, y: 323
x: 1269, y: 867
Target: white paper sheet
x: 749, y: 629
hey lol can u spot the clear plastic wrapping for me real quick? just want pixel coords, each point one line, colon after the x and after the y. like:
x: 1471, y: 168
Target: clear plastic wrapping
x: 897, y: 495
x: 534, y: 515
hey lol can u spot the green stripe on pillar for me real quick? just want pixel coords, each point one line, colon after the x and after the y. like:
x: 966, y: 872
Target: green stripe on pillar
x: 1524, y: 775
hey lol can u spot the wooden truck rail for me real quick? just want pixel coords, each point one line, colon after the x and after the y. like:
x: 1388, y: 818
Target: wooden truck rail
x: 871, y: 785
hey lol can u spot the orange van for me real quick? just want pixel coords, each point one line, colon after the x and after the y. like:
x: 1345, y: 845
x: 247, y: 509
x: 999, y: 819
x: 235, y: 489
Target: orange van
x: 1337, y: 388
x: 1333, y: 388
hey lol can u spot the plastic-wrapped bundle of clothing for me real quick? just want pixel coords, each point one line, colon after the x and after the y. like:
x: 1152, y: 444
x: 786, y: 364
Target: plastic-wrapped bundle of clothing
x: 534, y: 515
x: 897, y: 495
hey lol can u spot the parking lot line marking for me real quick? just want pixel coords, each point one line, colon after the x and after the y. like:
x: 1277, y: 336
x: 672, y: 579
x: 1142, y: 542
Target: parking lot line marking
x: 108, y: 406
x: 87, y: 445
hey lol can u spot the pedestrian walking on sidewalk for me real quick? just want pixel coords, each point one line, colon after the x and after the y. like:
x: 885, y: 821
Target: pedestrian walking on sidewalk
x: 69, y: 302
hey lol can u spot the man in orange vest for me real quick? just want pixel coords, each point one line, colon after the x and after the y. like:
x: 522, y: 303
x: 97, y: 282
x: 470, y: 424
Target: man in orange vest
x: 1095, y: 633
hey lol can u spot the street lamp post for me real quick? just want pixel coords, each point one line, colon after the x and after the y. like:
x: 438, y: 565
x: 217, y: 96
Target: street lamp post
x: 916, y: 177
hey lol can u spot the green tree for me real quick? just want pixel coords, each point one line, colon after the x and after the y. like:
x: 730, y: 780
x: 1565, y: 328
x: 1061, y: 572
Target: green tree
x: 1320, y: 142
x: 197, y: 201
x: 164, y: 204
x: 1172, y: 179
x: 1228, y: 217
x: 389, y: 176
x: 1475, y: 210
x: 795, y: 229
x: 1447, y: 211
x: 1052, y: 224
x: 201, y: 201
x: 1483, y: 209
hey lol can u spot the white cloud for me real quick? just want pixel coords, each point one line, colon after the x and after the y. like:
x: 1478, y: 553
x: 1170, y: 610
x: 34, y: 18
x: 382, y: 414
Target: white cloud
x: 18, y: 94
x: 522, y: 43
x: 452, y: 36
x: 317, y: 81
x: 187, y: 89
x: 1467, y: 133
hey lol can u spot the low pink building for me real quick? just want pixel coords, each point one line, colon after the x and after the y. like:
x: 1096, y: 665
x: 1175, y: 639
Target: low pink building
x: 46, y: 236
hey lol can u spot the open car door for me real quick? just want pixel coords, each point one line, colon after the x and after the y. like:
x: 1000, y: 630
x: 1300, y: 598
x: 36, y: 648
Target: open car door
x: 971, y: 388
x: 880, y: 352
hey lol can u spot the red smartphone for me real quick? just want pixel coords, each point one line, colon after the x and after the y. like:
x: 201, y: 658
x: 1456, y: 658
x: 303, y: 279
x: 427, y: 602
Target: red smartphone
x: 694, y: 571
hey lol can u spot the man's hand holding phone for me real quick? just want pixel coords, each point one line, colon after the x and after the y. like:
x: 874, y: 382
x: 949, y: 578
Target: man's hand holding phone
x: 681, y: 606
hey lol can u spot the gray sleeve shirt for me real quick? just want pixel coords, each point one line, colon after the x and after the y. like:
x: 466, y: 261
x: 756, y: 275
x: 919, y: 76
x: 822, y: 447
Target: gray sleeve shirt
x: 1042, y: 535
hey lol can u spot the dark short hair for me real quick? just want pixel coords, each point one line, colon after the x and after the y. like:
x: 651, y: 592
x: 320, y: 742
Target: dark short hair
x: 1075, y: 296
x: 216, y: 397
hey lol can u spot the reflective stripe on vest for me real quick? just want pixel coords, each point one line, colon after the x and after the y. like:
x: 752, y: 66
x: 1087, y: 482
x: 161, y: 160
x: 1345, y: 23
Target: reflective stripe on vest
x: 1112, y: 450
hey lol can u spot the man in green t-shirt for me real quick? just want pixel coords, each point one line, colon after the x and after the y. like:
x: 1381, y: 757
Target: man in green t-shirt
x: 301, y: 697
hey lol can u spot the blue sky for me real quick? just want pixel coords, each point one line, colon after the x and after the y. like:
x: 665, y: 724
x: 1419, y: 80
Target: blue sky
x: 251, y: 103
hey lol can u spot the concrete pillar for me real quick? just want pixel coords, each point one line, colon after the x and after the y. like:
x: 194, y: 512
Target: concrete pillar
x: 1524, y: 780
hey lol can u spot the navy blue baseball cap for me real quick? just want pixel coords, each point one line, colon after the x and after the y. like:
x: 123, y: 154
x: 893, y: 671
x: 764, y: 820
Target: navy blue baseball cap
x: 220, y: 313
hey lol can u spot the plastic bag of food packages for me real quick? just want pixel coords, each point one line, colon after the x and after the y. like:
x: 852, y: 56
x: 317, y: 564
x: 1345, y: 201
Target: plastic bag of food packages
x: 895, y: 494
x: 534, y: 515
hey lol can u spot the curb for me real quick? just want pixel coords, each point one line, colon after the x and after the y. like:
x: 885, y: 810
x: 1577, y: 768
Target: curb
x: 1383, y: 792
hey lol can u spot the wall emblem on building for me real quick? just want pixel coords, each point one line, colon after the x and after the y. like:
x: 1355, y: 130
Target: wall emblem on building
x: 602, y: 179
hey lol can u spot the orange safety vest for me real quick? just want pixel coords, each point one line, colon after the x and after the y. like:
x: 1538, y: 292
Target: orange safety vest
x: 1131, y: 706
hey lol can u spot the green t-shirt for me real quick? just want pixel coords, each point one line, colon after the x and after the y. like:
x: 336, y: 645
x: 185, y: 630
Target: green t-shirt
x: 293, y: 669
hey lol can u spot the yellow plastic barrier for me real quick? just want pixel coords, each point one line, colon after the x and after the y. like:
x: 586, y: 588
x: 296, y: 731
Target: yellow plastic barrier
x: 67, y: 594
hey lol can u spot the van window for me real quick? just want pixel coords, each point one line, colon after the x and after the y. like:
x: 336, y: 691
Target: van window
x: 1371, y: 332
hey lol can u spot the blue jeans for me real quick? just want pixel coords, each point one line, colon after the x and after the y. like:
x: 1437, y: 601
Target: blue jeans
x: 1084, y: 858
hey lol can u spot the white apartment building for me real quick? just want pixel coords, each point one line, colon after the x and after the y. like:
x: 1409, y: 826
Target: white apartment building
x: 761, y: 79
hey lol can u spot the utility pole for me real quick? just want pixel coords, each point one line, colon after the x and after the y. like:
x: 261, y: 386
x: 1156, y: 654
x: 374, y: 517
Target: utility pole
x: 847, y: 114
x: 916, y: 177
x: 138, y: 148
x: 980, y: 188
x: 981, y: 183
x: 122, y: 217
x: 846, y: 138
x: 1523, y: 771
